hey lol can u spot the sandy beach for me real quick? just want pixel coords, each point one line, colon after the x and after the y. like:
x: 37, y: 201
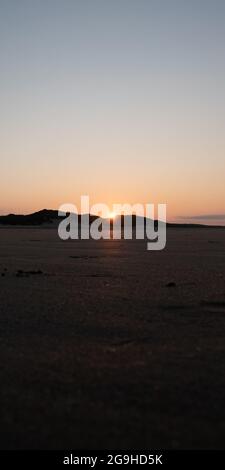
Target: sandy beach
x: 106, y: 345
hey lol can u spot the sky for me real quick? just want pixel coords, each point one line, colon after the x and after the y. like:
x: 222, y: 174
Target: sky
x: 122, y: 100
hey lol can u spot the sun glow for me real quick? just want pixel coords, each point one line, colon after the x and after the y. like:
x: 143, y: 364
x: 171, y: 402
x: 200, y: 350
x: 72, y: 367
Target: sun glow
x: 112, y: 215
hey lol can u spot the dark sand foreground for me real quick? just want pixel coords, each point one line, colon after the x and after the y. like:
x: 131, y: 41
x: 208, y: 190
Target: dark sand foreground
x: 97, y: 351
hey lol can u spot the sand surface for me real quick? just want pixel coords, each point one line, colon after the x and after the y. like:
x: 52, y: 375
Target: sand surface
x: 98, y: 351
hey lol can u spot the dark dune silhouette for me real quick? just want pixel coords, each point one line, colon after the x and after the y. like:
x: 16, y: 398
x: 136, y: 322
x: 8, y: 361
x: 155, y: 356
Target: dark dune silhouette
x: 48, y: 216
x: 44, y: 216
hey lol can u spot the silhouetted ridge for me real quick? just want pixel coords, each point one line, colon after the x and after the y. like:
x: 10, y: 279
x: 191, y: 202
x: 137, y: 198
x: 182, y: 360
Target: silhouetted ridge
x: 48, y: 216
x: 44, y: 216
x: 37, y: 218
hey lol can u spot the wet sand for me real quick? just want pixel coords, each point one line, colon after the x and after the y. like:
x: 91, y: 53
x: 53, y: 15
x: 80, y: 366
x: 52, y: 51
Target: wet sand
x: 106, y: 345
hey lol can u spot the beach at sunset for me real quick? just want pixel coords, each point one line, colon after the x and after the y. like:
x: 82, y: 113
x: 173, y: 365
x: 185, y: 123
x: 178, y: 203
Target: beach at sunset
x: 112, y: 232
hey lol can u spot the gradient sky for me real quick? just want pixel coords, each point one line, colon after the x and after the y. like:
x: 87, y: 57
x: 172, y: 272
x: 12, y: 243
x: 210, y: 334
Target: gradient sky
x: 123, y: 100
